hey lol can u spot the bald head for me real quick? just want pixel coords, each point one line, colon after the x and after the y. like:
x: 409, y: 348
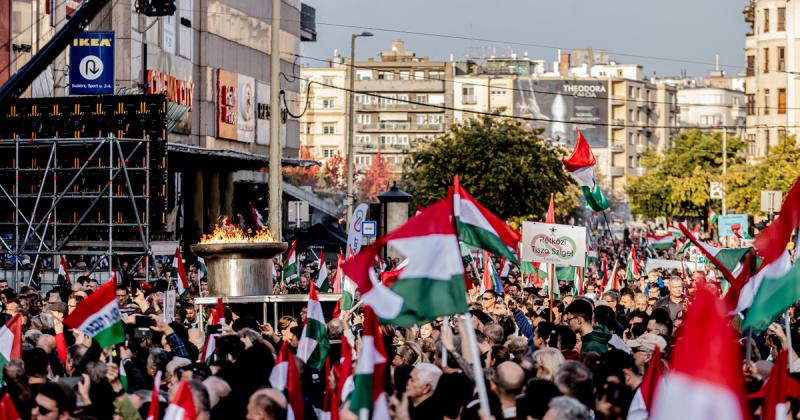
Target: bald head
x: 510, y: 378
x: 266, y: 404
x: 47, y: 343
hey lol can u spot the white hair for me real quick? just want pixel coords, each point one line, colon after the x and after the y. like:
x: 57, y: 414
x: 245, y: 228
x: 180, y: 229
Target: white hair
x: 568, y: 408
x: 428, y: 373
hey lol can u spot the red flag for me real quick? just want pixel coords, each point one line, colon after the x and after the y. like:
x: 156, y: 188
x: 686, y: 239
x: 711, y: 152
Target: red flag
x: 338, y: 276
x: 551, y: 211
x: 220, y: 312
x: 153, y: 414
x: 285, y: 376
x: 581, y: 156
x: 771, y: 242
x: 652, y: 379
x: 182, y: 404
x: 7, y: 409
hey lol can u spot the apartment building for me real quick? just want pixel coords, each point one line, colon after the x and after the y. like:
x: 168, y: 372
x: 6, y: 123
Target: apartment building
x: 772, y: 107
x: 323, y: 128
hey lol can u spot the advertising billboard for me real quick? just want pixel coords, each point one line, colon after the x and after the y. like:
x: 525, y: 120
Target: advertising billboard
x: 92, y: 64
x: 559, y: 106
x: 227, y: 104
x: 246, y: 122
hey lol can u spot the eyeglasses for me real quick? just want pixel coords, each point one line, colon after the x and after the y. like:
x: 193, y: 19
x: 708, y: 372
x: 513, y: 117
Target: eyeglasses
x: 43, y: 410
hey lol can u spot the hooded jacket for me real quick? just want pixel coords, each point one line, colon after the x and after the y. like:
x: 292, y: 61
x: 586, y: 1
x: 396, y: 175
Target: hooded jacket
x: 596, y: 341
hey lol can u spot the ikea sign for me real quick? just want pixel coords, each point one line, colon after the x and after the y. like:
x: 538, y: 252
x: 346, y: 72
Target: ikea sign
x: 91, y: 69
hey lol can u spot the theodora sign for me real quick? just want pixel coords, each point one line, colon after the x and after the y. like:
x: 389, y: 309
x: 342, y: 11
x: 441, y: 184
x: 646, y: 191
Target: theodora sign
x: 562, y: 245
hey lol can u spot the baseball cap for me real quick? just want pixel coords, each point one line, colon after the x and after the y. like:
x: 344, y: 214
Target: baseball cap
x: 648, y: 342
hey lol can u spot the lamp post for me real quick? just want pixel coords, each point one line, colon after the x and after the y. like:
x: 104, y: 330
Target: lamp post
x: 351, y: 120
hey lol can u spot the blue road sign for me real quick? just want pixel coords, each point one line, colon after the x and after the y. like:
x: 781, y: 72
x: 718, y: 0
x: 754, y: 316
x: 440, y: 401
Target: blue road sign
x: 369, y: 228
x: 91, y: 70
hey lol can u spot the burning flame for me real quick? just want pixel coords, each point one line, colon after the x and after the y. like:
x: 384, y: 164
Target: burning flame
x: 230, y: 233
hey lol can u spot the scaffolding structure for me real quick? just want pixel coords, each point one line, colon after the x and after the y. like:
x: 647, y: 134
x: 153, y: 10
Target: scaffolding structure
x: 71, y: 197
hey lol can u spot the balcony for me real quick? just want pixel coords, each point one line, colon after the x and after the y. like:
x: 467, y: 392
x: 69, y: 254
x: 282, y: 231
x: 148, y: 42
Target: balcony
x: 469, y: 100
x: 617, y: 101
x: 617, y: 171
x: 308, y: 23
x: 400, y: 126
x: 397, y: 107
x: 400, y: 86
x: 365, y: 147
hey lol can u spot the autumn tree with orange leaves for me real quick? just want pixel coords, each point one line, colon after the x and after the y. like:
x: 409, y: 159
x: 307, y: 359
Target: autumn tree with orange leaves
x: 376, y: 180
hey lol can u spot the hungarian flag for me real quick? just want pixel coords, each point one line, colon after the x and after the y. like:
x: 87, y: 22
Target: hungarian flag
x: 349, y: 288
x: 431, y: 285
x: 314, y: 345
x: 774, y: 297
x: 219, y: 312
x: 748, y: 282
x: 343, y: 371
x: 505, y: 268
x: 490, y: 281
x: 286, y: 378
x: 712, y: 219
x: 290, y: 269
x: 338, y: 276
x: 660, y: 241
x: 179, y: 273
x: 727, y: 260
x: 632, y: 272
x: 322, y: 274
x: 154, y: 414
x: 577, y: 284
x: 368, y: 399
x: 772, y: 241
x: 210, y: 349
x: 63, y: 274
x: 652, y: 379
x: 182, y: 405
x: 202, y: 270
x: 611, y: 283
x: 7, y: 409
x: 480, y: 228
x: 675, y: 231
x: 580, y: 164
x: 778, y: 388
x: 705, y: 380
x: 257, y: 218
x: 98, y: 316
x: 10, y: 341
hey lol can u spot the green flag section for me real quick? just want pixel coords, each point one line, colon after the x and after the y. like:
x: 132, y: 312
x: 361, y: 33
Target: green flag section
x: 368, y: 399
x: 660, y: 242
x: 123, y: 375
x: 480, y: 228
x: 580, y: 165
x: 98, y: 316
x: 314, y: 344
x: 431, y: 285
x: 712, y: 219
x: 774, y: 297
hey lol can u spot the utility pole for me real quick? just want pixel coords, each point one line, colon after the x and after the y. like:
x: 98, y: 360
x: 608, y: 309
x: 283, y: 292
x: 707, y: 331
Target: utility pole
x: 275, y: 121
x: 724, y: 167
x: 351, y: 122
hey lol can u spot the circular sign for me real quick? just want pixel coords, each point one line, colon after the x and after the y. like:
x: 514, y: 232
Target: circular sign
x: 544, y: 246
x: 91, y: 67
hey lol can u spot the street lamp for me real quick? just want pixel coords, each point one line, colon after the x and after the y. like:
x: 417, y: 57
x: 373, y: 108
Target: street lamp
x: 351, y: 118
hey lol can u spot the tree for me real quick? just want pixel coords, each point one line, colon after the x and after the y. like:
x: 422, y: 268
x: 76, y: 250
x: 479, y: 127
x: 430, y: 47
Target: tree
x: 507, y: 167
x: 376, y: 180
x: 300, y: 175
x: 677, y: 183
x: 778, y: 171
x: 334, y: 173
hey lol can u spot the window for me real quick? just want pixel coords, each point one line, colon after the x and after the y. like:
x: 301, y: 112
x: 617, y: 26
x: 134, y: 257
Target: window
x: 423, y: 99
x: 781, y: 101
x: 766, y: 138
x: 766, y: 102
x: 751, y: 144
x: 630, y: 115
x: 781, y: 58
x: 781, y: 135
x: 435, y: 119
x: 766, y: 60
x: 309, y: 127
x: 404, y: 75
x: 364, y: 118
x: 363, y: 139
x: 630, y: 91
x: 638, y: 93
x: 765, y: 28
x: 363, y: 74
x: 498, y: 91
x: 363, y: 160
x: 436, y: 75
x: 751, y: 65
x: 329, y: 128
x: 630, y: 161
x: 419, y: 75
x: 781, y: 18
x: 363, y: 99
x: 328, y: 152
x: 327, y: 81
x: 402, y: 139
x: 385, y: 75
x: 422, y: 118
x: 630, y: 139
x: 388, y: 139
x: 468, y: 95
x: 751, y: 104
x: 328, y: 103
x: 402, y: 97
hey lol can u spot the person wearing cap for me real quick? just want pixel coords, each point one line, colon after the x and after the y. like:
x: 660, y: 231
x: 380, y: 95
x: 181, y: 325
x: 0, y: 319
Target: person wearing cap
x: 643, y: 348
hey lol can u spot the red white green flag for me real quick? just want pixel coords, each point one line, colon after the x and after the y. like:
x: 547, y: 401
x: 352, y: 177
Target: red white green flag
x: 10, y: 341
x: 431, y: 285
x: 633, y: 265
x: 63, y: 274
x: 98, y: 316
x: 322, y: 273
x: 480, y: 228
x: 314, y: 344
x: 286, y: 378
x: 290, y: 270
x: 182, y: 405
x: 154, y: 412
x: 368, y: 399
x: 580, y: 164
x: 660, y: 241
x: 179, y: 273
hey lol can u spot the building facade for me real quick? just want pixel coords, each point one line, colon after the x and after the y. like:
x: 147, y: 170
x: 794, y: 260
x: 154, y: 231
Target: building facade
x: 711, y: 108
x: 771, y: 107
x: 323, y: 127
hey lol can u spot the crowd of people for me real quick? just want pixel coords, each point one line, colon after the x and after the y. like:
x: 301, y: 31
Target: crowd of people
x: 566, y: 356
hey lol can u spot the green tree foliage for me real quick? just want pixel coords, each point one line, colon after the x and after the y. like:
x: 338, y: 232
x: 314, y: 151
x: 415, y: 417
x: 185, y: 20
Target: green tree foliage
x: 507, y: 167
x: 677, y: 183
x: 777, y: 171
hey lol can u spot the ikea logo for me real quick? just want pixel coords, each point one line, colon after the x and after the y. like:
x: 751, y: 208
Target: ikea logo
x: 91, y: 42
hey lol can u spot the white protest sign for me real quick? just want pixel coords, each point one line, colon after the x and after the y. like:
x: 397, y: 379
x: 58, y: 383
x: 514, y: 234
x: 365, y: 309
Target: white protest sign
x: 169, y: 306
x: 653, y: 264
x: 562, y: 245
x: 354, y: 240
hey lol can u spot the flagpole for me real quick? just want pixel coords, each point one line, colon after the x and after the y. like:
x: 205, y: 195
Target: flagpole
x: 551, y: 280
x: 445, y: 325
x: 480, y: 384
x: 608, y: 228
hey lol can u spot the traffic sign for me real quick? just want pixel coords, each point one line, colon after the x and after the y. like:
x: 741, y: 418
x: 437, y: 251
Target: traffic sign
x: 715, y: 190
x: 91, y: 69
x: 369, y: 228
x: 771, y: 201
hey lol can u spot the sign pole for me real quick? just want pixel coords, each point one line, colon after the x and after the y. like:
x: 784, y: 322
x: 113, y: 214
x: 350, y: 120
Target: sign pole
x: 477, y: 369
x: 552, y: 277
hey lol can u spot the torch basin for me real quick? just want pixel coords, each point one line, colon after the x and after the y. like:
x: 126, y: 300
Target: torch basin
x: 239, y: 269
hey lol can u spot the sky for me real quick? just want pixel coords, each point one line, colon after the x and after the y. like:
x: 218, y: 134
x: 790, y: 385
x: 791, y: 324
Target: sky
x: 667, y: 37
